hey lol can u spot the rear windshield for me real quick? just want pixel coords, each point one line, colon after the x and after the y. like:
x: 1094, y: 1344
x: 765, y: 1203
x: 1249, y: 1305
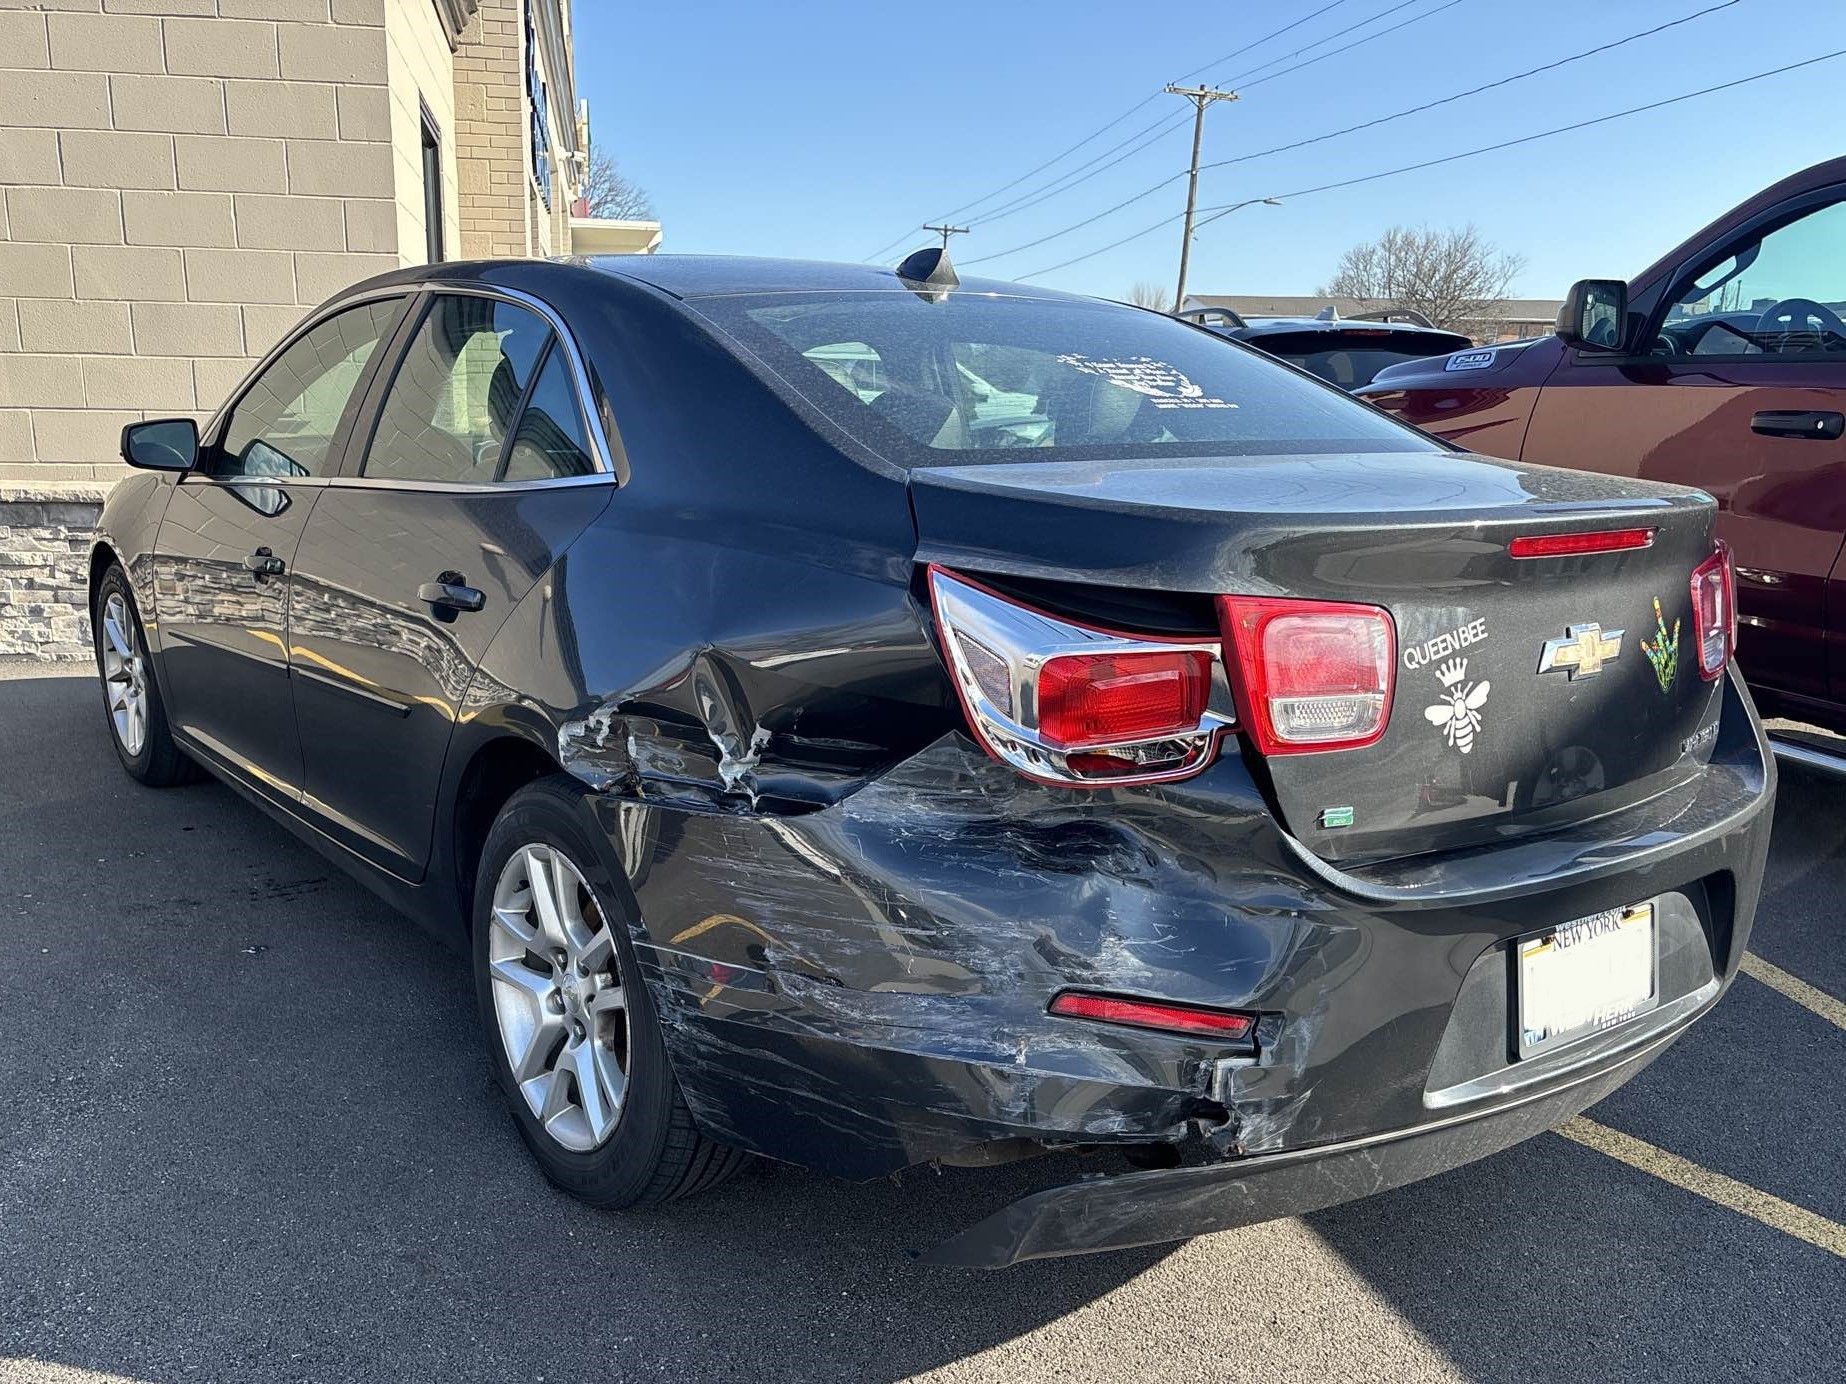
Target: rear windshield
x: 931, y: 383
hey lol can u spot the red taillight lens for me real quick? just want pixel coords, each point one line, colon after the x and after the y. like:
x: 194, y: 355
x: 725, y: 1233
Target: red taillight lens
x: 1108, y: 699
x: 1714, y: 611
x: 1173, y: 1018
x: 1312, y: 675
x: 1573, y: 544
x: 1074, y: 704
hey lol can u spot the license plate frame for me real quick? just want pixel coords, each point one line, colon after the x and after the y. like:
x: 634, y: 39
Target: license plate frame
x: 1626, y: 938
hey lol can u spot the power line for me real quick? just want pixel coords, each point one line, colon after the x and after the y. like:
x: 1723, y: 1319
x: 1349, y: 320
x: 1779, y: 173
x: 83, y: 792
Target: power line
x: 1159, y: 129
x: 1306, y: 47
x: 1351, y: 129
x: 1476, y: 91
x: 1155, y: 132
x: 1334, y: 52
x: 1450, y: 158
x: 1142, y: 104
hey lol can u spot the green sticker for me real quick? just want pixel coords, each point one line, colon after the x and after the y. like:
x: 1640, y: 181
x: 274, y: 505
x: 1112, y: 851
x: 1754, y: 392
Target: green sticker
x: 1331, y: 817
x: 1663, y: 653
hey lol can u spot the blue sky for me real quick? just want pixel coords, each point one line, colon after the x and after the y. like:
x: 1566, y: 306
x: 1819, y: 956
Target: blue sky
x: 827, y: 130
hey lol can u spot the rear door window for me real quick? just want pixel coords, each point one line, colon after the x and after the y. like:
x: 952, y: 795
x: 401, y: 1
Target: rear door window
x: 927, y: 383
x: 551, y: 441
x: 456, y: 395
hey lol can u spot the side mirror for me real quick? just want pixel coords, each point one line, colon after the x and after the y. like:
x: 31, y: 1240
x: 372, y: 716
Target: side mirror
x: 1595, y: 315
x: 163, y: 444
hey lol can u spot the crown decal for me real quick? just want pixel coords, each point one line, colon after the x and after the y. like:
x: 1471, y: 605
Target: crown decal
x: 1453, y: 671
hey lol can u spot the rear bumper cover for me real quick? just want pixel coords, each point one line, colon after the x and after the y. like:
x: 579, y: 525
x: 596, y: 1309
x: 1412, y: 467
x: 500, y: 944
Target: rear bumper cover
x: 864, y: 988
x: 1147, y: 1208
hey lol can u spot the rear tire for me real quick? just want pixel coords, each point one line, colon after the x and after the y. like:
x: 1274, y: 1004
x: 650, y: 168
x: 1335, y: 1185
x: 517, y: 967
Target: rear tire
x: 131, y: 694
x: 571, y: 1030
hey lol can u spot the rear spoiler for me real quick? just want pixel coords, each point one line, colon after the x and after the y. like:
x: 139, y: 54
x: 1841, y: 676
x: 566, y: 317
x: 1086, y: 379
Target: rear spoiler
x: 1408, y: 316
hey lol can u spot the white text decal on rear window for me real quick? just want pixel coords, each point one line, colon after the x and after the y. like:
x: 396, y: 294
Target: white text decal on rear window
x: 1165, y: 386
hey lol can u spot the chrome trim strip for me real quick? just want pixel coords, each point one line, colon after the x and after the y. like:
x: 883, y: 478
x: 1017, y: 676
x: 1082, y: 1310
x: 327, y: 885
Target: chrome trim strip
x: 395, y: 706
x: 1809, y: 756
x: 603, y: 454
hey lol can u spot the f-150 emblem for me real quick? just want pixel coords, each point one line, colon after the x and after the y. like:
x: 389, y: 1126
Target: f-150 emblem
x: 1582, y: 651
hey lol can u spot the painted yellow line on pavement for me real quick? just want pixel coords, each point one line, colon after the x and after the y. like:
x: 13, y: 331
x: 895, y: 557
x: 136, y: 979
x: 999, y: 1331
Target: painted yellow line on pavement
x: 1797, y: 989
x: 1723, y: 1191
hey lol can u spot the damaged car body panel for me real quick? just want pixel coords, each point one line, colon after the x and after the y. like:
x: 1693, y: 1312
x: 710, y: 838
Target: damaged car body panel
x: 855, y: 921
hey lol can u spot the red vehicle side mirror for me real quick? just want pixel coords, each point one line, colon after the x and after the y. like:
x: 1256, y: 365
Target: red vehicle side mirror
x: 1595, y: 315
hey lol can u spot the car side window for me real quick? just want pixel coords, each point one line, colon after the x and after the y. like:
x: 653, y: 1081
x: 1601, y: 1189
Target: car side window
x: 1782, y: 293
x: 285, y: 423
x: 457, y: 391
x: 551, y: 441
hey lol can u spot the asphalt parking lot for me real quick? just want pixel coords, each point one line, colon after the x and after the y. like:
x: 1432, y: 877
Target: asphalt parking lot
x: 247, y: 1132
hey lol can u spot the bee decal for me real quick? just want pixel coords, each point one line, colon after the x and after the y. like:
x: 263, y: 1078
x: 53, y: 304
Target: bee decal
x: 1458, y: 714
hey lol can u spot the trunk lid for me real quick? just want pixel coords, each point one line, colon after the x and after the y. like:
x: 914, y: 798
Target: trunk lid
x: 1480, y: 742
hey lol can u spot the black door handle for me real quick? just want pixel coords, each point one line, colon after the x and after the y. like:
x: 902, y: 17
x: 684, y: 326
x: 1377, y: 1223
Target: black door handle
x: 1819, y: 425
x: 450, y: 592
x: 264, y: 563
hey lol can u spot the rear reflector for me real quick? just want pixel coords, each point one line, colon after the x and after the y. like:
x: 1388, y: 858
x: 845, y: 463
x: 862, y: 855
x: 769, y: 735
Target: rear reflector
x: 1312, y: 675
x: 1573, y: 544
x: 1172, y: 1018
x: 1111, y: 698
x: 1714, y: 611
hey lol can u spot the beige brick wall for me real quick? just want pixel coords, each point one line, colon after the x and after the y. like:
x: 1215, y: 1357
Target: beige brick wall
x: 493, y: 144
x: 180, y: 180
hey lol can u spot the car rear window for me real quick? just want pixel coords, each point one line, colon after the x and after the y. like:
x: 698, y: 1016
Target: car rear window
x: 925, y: 382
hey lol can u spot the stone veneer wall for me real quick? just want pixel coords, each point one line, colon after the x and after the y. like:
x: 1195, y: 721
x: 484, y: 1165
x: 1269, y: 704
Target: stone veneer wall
x: 44, y: 572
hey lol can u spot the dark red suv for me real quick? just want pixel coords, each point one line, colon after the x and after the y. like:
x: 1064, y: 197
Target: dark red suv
x: 1722, y: 366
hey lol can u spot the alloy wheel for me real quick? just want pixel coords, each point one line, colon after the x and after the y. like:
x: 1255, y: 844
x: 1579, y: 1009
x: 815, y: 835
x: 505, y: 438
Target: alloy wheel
x: 558, y: 1001
x: 124, y: 674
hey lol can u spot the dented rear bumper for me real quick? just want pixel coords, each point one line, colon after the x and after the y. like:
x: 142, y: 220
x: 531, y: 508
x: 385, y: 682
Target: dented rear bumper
x: 1152, y: 1207
x: 864, y: 988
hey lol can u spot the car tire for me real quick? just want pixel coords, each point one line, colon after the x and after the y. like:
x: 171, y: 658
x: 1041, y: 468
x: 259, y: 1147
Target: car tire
x: 132, y: 705
x: 532, y: 1004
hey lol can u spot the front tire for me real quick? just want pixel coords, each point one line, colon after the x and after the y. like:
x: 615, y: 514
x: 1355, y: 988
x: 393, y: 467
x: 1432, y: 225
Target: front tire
x: 571, y: 1029
x: 131, y: 695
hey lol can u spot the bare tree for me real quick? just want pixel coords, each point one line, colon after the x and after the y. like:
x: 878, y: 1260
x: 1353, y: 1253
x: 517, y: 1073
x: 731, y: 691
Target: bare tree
x: 613, y: 195
x: 1148, y: 295
x: 1454, y: 277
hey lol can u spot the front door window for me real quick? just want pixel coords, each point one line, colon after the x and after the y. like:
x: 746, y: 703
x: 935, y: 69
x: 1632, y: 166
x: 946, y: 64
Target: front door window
x: 1780, y: 294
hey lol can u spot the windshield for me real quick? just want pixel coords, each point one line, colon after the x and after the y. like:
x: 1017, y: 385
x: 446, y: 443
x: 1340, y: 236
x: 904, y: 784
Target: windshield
x: 926, y: 383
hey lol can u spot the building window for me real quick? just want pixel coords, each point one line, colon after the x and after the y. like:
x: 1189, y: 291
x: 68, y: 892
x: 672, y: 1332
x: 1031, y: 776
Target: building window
x: 432, y: 188
x: 537, y: 98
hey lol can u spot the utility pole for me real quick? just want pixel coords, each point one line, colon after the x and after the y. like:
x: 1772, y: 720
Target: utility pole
x: 945, y: 231
x: 1201, y: 97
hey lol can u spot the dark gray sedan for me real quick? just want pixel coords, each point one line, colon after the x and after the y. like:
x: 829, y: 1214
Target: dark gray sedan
x: 867, y: 719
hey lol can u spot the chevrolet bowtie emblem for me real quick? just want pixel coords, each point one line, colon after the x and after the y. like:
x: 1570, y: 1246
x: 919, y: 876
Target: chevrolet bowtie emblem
x: 1582, y: 651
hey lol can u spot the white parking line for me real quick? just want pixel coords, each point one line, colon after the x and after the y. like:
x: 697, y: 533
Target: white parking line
x: 1797, y: 989
x: 1716, y: 1188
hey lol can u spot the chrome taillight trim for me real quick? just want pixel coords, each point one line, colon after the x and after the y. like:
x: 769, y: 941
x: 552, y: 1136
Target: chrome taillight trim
x: 1022, y: 641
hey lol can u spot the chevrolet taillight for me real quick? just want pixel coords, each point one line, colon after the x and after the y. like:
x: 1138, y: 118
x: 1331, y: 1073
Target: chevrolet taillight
x: 1714, y: 611
x: 1075, y: 704
x: 1310, y: 675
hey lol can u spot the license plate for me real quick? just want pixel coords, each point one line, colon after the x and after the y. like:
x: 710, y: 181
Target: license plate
x: 1586, y: 976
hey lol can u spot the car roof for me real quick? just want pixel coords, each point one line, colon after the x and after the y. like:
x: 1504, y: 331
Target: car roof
x: 700, y: 276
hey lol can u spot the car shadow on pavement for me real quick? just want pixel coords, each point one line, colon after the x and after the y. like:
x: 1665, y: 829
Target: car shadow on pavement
x: 250, y: 1133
